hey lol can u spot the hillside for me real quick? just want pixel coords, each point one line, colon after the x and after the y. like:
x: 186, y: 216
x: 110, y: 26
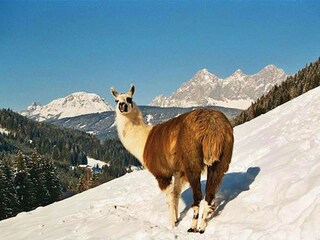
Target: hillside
x: 238, y: 90
x: 271, y: 191
x: 301, y: 82
x: 67, y: 148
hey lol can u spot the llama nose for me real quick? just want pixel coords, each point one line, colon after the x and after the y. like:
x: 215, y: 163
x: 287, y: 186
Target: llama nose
x: 123, y: 107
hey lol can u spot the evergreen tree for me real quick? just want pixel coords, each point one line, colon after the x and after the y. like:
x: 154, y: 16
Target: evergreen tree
x: 83, y: 159
x: 8, y: 194
x: 52, y: 181
x: 23, y: 185
x: 38, y: 178
x: 4, y: 200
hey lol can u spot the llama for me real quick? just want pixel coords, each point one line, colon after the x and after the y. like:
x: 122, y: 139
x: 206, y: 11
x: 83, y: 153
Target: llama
x: 177, y: 151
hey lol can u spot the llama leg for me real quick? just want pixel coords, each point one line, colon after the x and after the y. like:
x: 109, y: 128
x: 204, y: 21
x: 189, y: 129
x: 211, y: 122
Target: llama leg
x: 214, y: 177
x: 177, y: 185
x: 167, y: 186
x: 171, y: 204
x: 197, y: 196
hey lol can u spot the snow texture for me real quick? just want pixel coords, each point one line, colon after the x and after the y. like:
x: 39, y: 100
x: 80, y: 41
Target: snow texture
x: 271, y: 191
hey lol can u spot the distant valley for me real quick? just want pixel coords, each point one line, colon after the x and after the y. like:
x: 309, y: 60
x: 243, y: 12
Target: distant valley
x: 103, y: 124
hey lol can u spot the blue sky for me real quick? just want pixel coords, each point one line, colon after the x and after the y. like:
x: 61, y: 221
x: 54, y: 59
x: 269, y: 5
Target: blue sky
x: 49, y: 49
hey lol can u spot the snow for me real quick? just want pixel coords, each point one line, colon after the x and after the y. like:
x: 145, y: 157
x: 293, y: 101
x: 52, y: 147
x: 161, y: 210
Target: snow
x: 134, y: 168
x: 236, y: 91
x: 93, y: 163
x: 149, y: 117
x: 92, y: 132
x: 75, y: 104
x: 271, y: 191
x: 4, y: 131
x: 239, y: 103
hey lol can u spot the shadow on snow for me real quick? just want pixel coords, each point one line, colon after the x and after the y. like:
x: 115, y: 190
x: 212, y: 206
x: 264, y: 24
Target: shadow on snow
x: 232, y: 185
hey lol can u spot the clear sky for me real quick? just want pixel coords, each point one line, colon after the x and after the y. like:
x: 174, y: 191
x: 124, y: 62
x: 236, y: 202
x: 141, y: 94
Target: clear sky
x: 49, y: 49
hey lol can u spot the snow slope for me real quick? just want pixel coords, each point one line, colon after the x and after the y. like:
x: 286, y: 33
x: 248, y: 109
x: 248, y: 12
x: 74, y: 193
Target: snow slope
x: 75, y: 104
x: 272, y: 191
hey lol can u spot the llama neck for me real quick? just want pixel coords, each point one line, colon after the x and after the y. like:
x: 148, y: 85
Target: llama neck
x: 133, y: 132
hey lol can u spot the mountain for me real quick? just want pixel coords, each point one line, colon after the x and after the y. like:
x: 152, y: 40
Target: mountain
x: 236, y: 91
x: 295, y: 85
x: 89, y: 113
x: 75, y: 104
x: 103, y: 124
x: 271, y: 191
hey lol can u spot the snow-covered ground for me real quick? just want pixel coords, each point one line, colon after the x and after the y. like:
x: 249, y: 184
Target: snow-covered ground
x: 4, y: 131
x: 93, y: 163
x: 272, y: 191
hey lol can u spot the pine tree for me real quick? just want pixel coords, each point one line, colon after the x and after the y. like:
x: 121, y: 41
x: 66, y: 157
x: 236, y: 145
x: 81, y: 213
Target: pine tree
x: 38, y: 179
x: 52, y: 181
x: 4, y: 200
x: 23, y: 185
x: 83, y: 159
x: 8, y: 194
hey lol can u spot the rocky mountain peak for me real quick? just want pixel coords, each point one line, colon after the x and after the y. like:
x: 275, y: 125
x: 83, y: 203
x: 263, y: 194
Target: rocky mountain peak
x: 75, y: 104
x: 236, y: 91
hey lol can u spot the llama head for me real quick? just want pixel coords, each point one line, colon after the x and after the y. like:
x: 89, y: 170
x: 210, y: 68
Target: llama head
x: 123, y: 100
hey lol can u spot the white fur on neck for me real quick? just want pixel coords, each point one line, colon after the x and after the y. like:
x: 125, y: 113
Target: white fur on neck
x: 133, y: 131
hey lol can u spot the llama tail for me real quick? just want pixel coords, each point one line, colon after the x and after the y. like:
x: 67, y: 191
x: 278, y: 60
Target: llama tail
x: 212, y: 149
x: 216, y: 145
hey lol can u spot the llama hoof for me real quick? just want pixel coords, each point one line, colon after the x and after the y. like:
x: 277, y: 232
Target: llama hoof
x: 192, y: 230
x: 201, y: 231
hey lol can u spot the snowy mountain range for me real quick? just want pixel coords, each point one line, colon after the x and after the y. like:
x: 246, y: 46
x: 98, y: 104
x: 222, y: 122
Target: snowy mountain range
x: 90, y: 113
x: 204, y: 89
x: 235, y: 91
x: 75, y: 104
x: 271, y: 191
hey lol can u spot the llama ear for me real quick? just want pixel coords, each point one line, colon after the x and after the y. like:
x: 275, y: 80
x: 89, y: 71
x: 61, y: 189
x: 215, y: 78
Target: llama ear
x: 131, y: 91
x: 114, y: 92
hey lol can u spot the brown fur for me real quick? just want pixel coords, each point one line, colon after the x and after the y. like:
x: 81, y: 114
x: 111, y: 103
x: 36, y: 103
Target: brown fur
x: 188, y: 142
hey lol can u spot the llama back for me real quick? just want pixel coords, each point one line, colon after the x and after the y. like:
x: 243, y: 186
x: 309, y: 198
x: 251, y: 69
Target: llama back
x: 200, y: 132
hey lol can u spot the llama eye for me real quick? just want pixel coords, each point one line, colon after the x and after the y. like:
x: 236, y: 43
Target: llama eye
x: 116, y: 101
x: 129, y: 100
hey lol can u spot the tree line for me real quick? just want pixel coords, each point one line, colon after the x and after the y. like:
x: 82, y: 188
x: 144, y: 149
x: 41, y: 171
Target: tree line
x: 64, y: 148
x: 301, y: 82
x: 27, y: 183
